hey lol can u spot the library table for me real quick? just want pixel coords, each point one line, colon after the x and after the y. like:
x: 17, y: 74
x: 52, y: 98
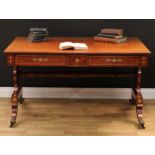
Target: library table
x: 131, y: 54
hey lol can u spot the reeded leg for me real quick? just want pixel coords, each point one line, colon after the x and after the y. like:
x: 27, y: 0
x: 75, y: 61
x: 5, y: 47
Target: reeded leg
x: 139, y: 100
x: 14, y: 98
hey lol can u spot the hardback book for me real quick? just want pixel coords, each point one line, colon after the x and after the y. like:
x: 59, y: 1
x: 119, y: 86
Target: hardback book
x: 37, y: 36
x: 110, y: 40
x: 112, y: 31
x: 42, y: 29
x: 71, y: 45
x: 38, y: 40
x: 39, y: 33
x: 109, y: 35
x: 30, y: 37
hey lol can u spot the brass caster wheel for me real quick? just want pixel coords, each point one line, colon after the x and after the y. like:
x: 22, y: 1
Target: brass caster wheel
x: 11, y: 124
x: 142, y: 124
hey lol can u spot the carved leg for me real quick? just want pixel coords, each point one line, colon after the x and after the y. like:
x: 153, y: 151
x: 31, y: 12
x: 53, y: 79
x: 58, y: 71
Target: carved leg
x: 14, y: 98
x: 139, y: 100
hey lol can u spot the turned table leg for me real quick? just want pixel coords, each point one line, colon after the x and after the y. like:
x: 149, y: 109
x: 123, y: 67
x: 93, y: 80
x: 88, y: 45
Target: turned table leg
x: 16, y: 96
x: 139, y: 99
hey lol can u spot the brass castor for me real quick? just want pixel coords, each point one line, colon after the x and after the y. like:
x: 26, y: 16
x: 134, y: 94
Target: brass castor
x: 141, y: 123
x: 12, y: 123
x: 142, y: 126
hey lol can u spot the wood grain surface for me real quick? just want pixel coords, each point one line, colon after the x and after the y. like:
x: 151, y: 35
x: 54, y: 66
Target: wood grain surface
x: 132, y: 46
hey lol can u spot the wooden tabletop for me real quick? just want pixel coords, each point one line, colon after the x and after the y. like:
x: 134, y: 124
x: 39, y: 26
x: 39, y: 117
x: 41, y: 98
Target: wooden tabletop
x: 21, y: 45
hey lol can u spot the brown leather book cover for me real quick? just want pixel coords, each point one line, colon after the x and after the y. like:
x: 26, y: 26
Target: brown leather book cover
x: 112, y: 31
x: 110, y: 40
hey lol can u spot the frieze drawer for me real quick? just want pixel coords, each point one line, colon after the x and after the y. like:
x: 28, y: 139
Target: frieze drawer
x: 116, y: 61
x: 40, y: 60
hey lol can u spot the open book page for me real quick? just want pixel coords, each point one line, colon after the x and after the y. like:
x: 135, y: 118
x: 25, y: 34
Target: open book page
x: 79, y: 46
x: 66, y: 45
x: 70, y: 45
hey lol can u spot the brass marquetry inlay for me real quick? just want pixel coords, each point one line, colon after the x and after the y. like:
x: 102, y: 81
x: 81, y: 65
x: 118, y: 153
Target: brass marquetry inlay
x: 40, y: 60
x: 114, y: 60
x: 10, y: 59
x: 77, y: 60
x: 144, y: 60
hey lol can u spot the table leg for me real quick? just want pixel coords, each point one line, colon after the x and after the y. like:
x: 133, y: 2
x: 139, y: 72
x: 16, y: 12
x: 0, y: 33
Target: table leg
x: 139, y: 99
x: 14, y: 97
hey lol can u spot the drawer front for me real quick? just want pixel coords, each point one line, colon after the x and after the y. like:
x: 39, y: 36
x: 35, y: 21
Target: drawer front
x: 40, y: 60
x: 114, y: 61
x: 77, y: 60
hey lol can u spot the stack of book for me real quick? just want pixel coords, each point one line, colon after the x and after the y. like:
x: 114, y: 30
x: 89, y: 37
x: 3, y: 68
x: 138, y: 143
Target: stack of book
x: 38, y: 34
x: 111, y: 35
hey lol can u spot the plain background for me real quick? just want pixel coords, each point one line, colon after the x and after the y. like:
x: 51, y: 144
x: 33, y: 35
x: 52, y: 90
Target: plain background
x: 144, y: 29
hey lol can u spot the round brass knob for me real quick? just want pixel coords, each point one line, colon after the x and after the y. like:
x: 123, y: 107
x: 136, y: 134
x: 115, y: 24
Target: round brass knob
x: 114, y: 60
x: 40, y: 59
x: 77, y: 60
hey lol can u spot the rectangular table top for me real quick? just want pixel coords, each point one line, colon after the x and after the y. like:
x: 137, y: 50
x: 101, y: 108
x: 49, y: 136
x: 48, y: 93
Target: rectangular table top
x: 21, y: 45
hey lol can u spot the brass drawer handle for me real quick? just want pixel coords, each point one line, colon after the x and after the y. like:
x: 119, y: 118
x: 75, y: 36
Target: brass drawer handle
x: 40, y: 60
x: 114, y: 60
x: 77, y: 60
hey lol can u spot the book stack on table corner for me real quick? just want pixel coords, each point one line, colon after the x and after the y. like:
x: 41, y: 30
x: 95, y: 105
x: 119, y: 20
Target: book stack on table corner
x: 38, y: 34
x: 111, y: 36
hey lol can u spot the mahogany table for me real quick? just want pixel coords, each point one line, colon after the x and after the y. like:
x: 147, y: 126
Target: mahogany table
x: 131, y: 54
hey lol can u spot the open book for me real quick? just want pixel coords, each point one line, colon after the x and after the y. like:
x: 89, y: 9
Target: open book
x: 71, y: 45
